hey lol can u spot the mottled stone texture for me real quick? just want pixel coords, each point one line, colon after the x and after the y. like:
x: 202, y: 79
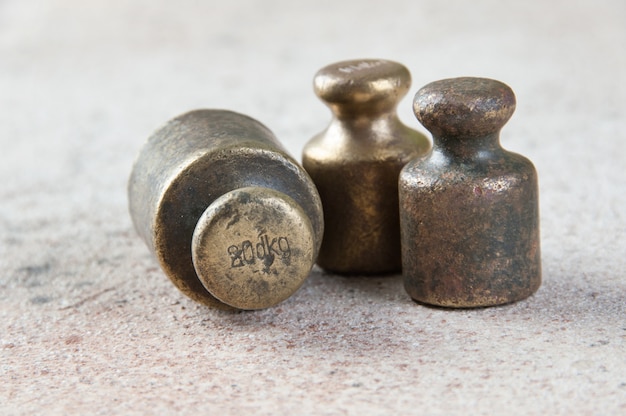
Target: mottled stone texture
x: 89, y: 324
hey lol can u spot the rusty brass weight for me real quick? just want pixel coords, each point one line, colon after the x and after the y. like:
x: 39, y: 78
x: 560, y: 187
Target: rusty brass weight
x: 234, y: 221
x: 355, y: 163
x: 469, y: 209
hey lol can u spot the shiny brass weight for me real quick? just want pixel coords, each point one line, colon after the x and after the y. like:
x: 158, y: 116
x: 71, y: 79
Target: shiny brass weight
x: 234, y: 221
x: 355, y: 163
x: 469, y: 209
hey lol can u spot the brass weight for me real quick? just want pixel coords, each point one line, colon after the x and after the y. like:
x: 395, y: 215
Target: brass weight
x: 233, y: 220
x: 356, y: 161
x: 469, y: 209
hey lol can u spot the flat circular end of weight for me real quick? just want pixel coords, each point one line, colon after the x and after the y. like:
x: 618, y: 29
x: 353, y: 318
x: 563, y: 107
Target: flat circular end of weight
x: 464, y: 107
x: 253, y: 248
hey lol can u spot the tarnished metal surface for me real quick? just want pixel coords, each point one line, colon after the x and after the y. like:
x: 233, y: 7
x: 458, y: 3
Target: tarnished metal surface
x: 215, y: 189
x: 356, y: 161
x: 469, y: 209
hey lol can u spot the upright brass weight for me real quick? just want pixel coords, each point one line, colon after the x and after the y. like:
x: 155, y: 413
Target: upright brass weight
x: 233, y: 220
x: 469, y: 209
x: 355, y: 163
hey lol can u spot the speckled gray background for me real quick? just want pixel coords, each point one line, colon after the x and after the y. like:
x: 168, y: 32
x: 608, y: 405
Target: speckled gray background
x: 89, y: 324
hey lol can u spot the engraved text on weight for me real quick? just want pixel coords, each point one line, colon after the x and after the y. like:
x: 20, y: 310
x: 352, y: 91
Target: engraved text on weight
x: 264, y: 250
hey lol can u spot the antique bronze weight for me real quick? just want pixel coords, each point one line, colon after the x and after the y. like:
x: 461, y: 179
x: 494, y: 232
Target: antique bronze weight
x: 356, y: 161
x: 469, y: 209
x: 233, y: 220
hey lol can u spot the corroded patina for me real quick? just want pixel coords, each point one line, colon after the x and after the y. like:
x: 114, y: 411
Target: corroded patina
x: 233, y: 220
x: 469, y: 209
x: 355, y: 163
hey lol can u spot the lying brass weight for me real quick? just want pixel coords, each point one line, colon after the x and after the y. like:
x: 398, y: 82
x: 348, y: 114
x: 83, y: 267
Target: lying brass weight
x: 233, y: 219
x: 356, y: 161
x: 469, y: 209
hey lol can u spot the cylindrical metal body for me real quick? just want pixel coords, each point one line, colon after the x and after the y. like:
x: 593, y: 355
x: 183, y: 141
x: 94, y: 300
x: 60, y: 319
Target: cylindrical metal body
x: 469, y: 209
x: 356, y: 161
x: 230, y: 216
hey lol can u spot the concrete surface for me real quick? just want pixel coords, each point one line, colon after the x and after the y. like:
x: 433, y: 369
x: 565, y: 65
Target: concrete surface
x: 90, y: 325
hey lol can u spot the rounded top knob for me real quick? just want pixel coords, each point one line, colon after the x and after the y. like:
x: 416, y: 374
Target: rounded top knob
x: 465, y: 107
x: 362, y: 85
x: 253, y: 247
